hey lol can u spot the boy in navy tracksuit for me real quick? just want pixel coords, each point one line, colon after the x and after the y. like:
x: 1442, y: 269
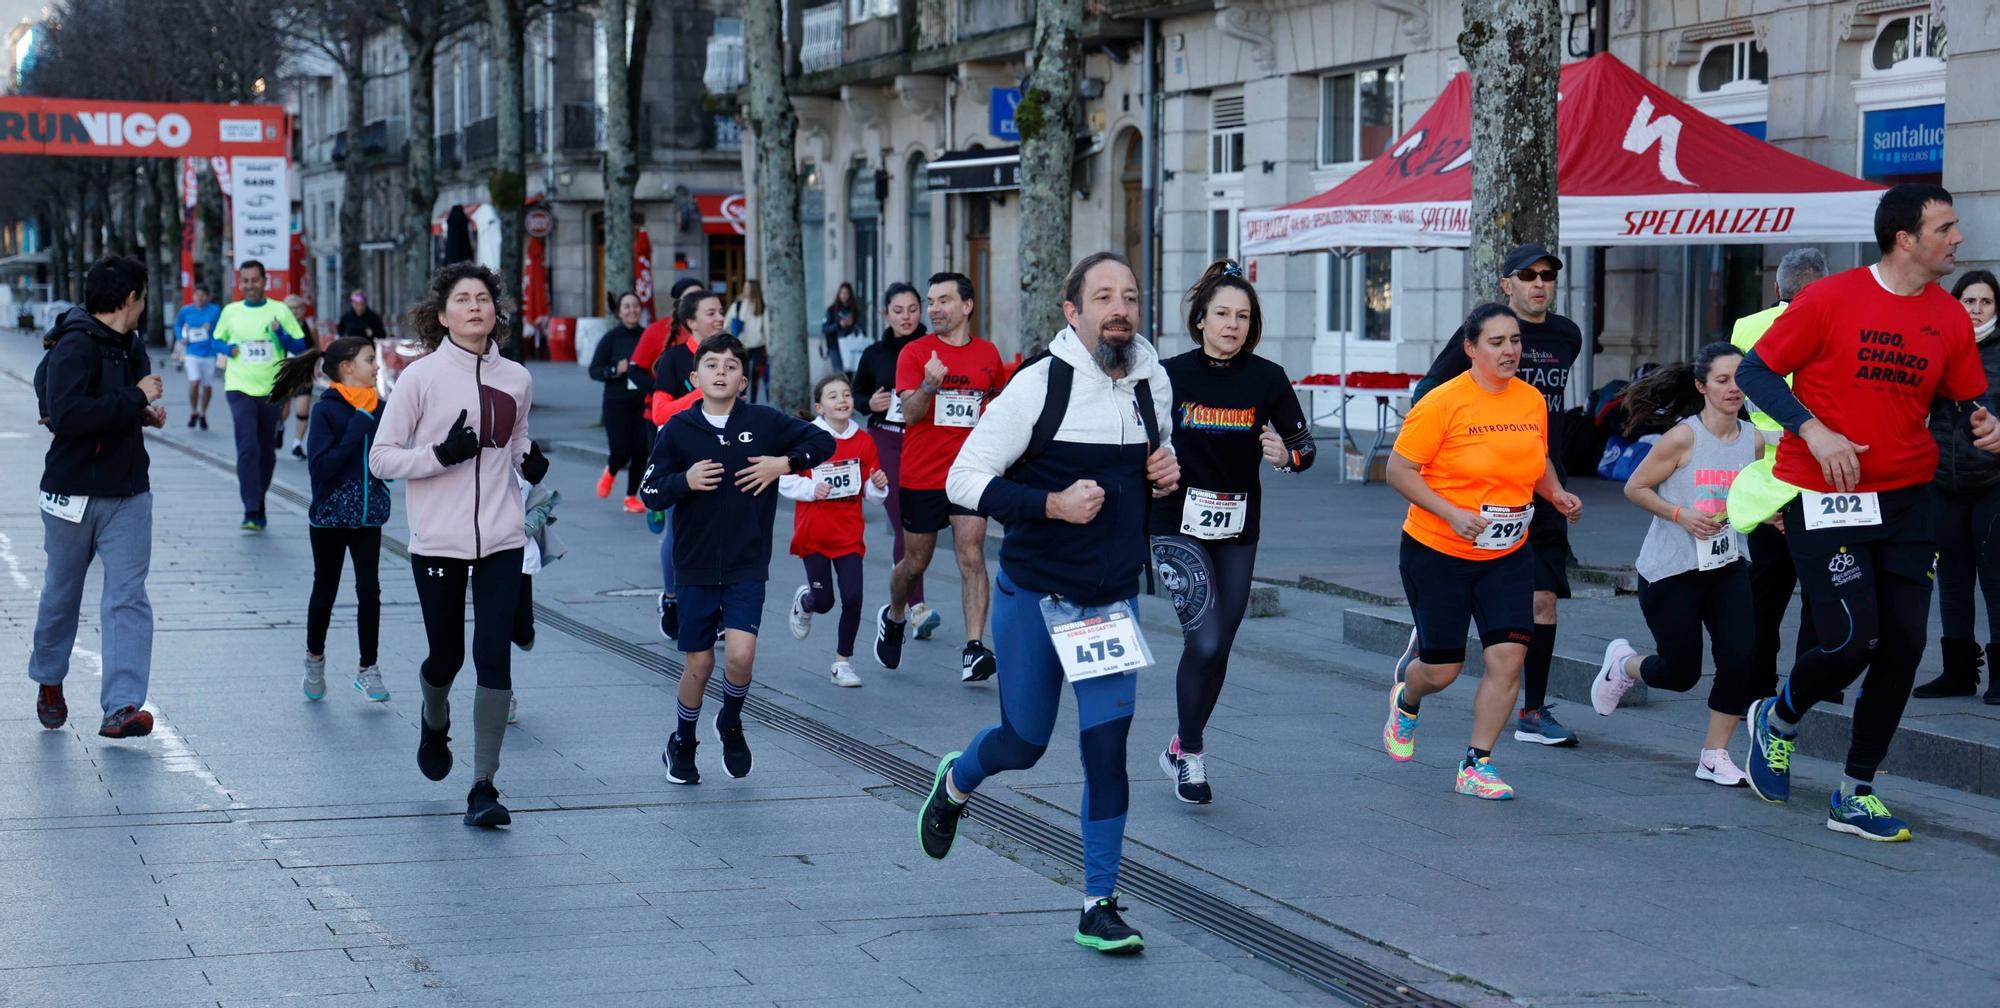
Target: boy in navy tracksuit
x: 711, y: 466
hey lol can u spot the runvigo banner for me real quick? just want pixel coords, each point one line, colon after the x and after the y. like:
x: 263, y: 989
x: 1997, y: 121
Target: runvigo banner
x: 77, y: 127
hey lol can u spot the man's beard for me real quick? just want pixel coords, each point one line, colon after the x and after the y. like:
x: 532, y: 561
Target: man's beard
x: 1114, y: 356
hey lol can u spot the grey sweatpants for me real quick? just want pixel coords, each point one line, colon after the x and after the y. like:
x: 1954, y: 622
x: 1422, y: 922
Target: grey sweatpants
x: 119, y: 530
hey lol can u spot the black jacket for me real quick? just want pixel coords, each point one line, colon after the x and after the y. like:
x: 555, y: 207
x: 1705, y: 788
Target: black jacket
x: 723, y: 536
x: 344, y: 493
x: 88, y: 389
x: 364, y: 325
x: 616, y: 345
x: 1961, y: 467
x: 877, y: 370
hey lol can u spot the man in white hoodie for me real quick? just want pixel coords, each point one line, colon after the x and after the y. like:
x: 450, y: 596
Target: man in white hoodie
x: 1067, y: 458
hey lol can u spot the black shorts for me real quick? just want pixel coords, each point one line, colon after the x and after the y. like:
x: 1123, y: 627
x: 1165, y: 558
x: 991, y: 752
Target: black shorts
x: 1548, y: 540
x: 1445, y: 591
x: 929, y: 511
x: 1834, y: 562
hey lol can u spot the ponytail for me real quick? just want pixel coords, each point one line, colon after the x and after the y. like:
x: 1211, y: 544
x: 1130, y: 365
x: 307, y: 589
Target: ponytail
x: 295, y: 374
x: 1662, y: 398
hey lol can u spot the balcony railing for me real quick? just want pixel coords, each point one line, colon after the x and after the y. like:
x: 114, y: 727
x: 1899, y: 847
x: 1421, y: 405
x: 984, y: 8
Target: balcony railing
x: 820, y: 29
x: 724, y: 72
x: 582, y: 128
x: 482, y: 140
x: 983, y: 17
x: 447, y: 151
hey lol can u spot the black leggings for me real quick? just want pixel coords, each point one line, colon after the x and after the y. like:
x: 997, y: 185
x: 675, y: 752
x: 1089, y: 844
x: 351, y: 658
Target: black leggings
x: 628, y: 437
x: 329, y: 547
x: 1677, y: 609
x: 1871, y: 593
x: 1209, y: 582
x: 524, y: 613
x: 1772, y: 578
x: 821, y: 574
x: 1967, y: 529
x: 496, y: 590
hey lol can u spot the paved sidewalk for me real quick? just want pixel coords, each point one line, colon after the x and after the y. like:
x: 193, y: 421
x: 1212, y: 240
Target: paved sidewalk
x: 278, y: 847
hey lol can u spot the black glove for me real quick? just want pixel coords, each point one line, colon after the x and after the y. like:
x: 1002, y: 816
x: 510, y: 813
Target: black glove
x: 459, y: 445
x: 534, y: 465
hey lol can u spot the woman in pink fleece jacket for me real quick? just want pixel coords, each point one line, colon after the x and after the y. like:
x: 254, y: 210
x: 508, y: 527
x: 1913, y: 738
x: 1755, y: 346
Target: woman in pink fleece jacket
x: 457, y: 429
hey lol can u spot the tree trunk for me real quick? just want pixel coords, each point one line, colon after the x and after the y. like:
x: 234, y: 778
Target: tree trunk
x: 213, y: 223
x: 166, y: 265
x: 508, y: 184
x: 353, y: 201
x: 1047, y: 120
x: 621, y: 170
x: 1511, y: 49
x: 776, y: 125
x: 420, y: 187
x: 153, y: 235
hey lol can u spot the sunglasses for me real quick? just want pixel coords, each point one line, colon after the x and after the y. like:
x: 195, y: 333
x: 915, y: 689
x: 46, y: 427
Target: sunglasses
x: 1529, y: 275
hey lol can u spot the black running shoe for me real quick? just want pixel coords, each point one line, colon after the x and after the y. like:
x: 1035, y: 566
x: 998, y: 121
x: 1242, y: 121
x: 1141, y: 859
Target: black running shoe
x: 937, y: 821
x: 192, y: 420
x: 204, y: 421
x: 976, y: 663
x: 1101, y: 928
x: 735, y: 750
x: 433, y: 749
x: 888, y: 639
x: 670, y: 617
x: 298, y: 452
x: 483, y: 808
x: 679, y: 758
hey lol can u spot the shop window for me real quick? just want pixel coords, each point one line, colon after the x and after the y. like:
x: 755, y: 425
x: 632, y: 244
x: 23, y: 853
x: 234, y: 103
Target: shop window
x: 1916, y: 36
x: 1732, y: 66
x: 1225, y: 136
x: 919, y: 217
x: 1360, y: 114
x: 1371, y: 270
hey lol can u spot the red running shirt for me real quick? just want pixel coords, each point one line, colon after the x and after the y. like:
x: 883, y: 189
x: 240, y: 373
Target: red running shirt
x: 1868, y: 362
x: 832, y: 528
x: 928, y: 449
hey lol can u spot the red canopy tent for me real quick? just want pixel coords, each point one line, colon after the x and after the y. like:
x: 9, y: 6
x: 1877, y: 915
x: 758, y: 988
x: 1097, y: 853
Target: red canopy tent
x: 1635, y: 166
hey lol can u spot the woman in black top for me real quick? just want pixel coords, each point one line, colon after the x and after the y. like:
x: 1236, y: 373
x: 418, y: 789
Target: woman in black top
x: 875, y: 398
x: 843, y: 319
x: 1232, y: 410
x: 627, y: 434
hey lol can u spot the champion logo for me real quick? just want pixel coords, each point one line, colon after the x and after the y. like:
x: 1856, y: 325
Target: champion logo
x: 744, y: 437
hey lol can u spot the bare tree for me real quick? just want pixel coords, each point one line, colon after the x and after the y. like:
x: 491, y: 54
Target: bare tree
x: 423, y: 25
x: 776, y: 125
x: 1047, y: 120
x: 339, y: 30
x: 625, y: 80
x: 508, y: 185
x: 1511, y: 50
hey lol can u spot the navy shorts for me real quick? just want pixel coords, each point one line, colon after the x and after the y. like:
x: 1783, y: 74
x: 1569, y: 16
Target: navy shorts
x: 1445, y: 591
x: 1548, y: 539
x: 709, y: 609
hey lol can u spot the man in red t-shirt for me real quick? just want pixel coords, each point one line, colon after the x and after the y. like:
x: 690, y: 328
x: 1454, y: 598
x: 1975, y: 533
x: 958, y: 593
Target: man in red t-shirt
x: 1869, y: 351
x: 944, y: 379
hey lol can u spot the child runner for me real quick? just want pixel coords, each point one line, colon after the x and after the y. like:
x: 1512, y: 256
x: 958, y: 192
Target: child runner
x: 711, y: 466
x: 349, y: 503
x: 827, y: 523
x: 1694, y: 569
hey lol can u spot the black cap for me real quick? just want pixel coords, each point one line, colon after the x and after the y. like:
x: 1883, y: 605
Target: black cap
x: 1525, y: 256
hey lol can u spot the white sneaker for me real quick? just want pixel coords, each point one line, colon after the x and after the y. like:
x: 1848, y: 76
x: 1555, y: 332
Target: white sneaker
x: 315, y: 681
x: 843, y: 674
x: 1716, y: 766
x: 1612, y: 681
x: 513, y: 710
x: 801, y: 620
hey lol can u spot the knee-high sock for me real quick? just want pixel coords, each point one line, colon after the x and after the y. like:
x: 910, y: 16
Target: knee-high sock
x: 1535, y: 671
x: 437, y: 704
x: 732, y: 705
x: 489, y: 726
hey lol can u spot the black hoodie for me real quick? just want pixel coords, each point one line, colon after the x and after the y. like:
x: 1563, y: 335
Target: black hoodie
x: 88, y: 388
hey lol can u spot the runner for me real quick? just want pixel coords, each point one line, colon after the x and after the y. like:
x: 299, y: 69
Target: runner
x: 722, y: 537
x: 1229, y: 409
x: 746, y: 323
x: 1967, y: 485
x: 1692, y: 571
x: 944, y: 379
x: 95, y: 391
x: 1064, y: 459
x: 195, y: 351
x: 827, y: 522
x: 1549, y: 345
x: 301, y: 405
x: 1869, y: 348
x: 349, y: 505
x: 627, y: 434
x: 457, y: 430
x: 1472, y: 459
x: 875, y: 398
x: 1772, y: 578
x: 697, y: 317
x: 255, y: 333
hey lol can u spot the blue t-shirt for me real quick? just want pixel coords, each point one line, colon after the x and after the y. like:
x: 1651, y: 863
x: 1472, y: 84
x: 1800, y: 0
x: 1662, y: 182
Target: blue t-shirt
x: 197, y: 327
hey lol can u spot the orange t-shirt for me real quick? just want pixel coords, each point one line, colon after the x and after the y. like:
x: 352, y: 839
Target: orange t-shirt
x: 1474, y: 447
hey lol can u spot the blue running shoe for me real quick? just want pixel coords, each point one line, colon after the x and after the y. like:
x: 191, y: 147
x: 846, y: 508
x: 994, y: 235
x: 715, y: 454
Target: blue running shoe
x: 1865, y: 816
x: 656, y: 522
x: 1540, y: 726
x: 1770, y: 757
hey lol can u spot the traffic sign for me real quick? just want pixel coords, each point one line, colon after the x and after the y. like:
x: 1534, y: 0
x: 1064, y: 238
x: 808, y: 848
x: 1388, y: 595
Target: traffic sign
x: 540, y: 221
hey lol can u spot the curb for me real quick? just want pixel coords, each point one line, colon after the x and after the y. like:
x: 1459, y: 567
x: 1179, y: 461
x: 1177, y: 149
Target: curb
x: 1917, y: 753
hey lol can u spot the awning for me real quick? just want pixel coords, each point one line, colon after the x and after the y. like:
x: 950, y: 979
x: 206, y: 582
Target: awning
x: 993, y: 169
x: 722, y: 213
x: 26, y: 260
x: 1635, y: 166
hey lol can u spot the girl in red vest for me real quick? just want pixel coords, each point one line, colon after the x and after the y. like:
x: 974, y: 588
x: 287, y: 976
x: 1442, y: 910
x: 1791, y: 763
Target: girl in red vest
x: 827, y: 522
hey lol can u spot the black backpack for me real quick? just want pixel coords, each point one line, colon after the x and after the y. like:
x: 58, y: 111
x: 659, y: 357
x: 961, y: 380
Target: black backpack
x: 1056, y: 403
